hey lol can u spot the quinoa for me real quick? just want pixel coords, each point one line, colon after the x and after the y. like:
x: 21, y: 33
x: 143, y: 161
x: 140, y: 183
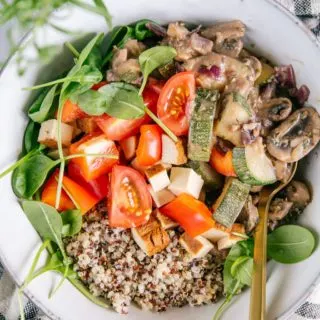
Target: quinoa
x: 112, y: 265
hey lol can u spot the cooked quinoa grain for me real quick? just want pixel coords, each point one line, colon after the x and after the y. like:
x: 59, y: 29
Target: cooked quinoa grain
x: 111, y: 264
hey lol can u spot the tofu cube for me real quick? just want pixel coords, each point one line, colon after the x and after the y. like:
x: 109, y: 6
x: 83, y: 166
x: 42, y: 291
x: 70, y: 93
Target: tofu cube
x: 158, y: 177
x: 161, y: 197
x: 185, y: 180
x: 216, y: 233
x: 197, y: 247
x: 87, y: 125
x: 231, y: 239
x: 151, y: 237
x: 48, y: 134
x: 165, y: 222
x: 173, y: 152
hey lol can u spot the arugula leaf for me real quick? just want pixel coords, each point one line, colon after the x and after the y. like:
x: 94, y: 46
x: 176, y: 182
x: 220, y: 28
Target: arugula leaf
x: 290, y: 244
x: 117, y: 37
x: 46, y: 220
x: 105, y: 12
x: 154, y: 58
x: 41, y: 112
x: 117, y: 99
x: 29, y: 176
x: 141, y: 31
x: 242, y: 270
x: 72, y: 222
x: 30, y: 138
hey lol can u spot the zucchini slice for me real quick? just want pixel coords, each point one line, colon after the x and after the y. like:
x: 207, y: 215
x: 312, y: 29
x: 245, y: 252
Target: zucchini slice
x: 212, y: 179
x: 231, y: 201
x: 252, y: 165
x: 200, y: 139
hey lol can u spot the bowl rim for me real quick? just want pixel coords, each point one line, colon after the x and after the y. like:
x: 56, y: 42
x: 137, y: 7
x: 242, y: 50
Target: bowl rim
x: 296, y: 304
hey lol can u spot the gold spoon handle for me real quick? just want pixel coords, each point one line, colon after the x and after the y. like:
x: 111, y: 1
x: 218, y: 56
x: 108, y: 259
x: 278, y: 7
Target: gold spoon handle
x: 258, y: 288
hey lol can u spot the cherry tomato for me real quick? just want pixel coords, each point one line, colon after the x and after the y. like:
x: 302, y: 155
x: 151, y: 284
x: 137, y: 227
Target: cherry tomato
x: 192, y: 214
x: 98, y: 187
x: 49, y: 194
x: 175, y: 100
x: 149, y: 148
x: 130, y: 203
x: 129, y: 146
x: 222, y: 162
x: 119, y: 129
x: 95, y: 143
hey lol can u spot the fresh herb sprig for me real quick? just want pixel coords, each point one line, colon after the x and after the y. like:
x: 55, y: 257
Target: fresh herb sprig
x: 33, y: 16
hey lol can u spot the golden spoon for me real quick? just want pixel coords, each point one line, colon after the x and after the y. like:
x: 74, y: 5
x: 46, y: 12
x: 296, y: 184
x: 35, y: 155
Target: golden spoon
x: 259, y: 277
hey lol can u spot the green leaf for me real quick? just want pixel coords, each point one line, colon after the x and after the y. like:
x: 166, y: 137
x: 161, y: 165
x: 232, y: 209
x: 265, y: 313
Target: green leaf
x: 30, y: 175
x: 141, y: 31
x: 105, y: 12
x: 30, y: 138
x: 154, y: 58
x: 242, y: 270
x: 119, y: 100
x: 290, y: 244
x: 117, y: 37
x: 46, y: 220
x: 73, y: 220
x: 41, y: 112
x: 85, y: 291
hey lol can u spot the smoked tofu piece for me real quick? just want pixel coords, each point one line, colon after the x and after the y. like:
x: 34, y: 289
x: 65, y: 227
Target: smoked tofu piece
x: 173, y: 152
x: 151, y: 237
x: 166, y: 222
x: 185, y: 180
x: 232, y: 238
x: 161, y: 197
x: 158, y: 177
x: 129, y: 147
x: 217, y: 232
x: 48, y: 134
x: 87, y: 125
x: 197, y: 247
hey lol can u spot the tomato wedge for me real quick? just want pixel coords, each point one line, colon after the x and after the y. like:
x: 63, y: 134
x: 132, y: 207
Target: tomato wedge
x: 222, y: 162
x: 174, y: 102
x: 98, y: 187
x: 149, y: 148
x: 49, y: 194
x: 82, y: 198
x: 97, y: 86
x: 192, y: 214
x: 119, y: 129
x: 130, y: 203
x: 95, y: 143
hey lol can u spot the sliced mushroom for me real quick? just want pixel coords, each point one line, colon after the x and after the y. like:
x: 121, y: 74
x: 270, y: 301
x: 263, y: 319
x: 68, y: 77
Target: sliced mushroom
x: 279, y: 209
x: 249, y: 215
x: 283, y: 169
x: 296, y: 136
x: 255, y: 64
x: 226, y: 37
x: 277, y: 109
x: 298, y: 193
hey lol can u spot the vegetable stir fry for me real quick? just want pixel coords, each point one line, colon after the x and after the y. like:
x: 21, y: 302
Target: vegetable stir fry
x: 175, y: 131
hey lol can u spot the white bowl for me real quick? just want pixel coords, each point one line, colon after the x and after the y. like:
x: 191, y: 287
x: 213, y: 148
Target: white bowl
x: 277, y: 35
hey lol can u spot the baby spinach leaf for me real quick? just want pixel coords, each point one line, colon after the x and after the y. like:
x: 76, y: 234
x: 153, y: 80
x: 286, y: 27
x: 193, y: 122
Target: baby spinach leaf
x: 85, y: 291
x: 41, y: 112
x: 117, y: 99
x: 72, y: 222
x: 30, y: 138
x: 46, y: 220
x: 153, y: 58
x: 242, y: 270
x: 141, y: 31
x: 30, y: 175
x: 290, y: 244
